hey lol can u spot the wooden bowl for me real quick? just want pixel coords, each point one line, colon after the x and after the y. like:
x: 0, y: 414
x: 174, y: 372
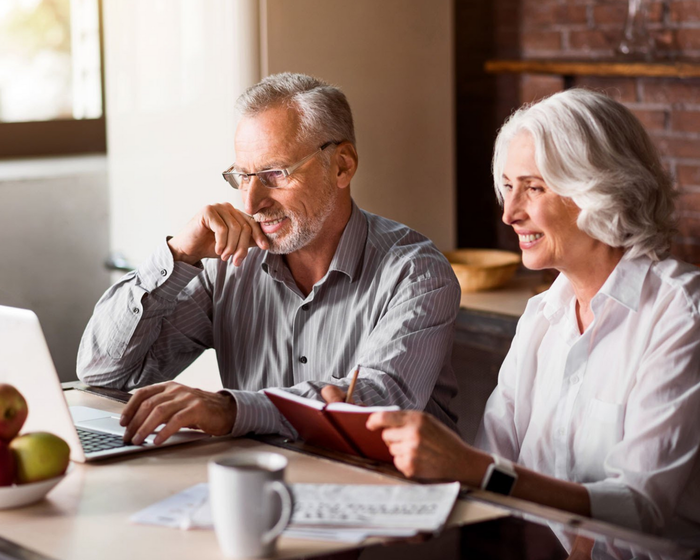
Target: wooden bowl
x: 482, y: 269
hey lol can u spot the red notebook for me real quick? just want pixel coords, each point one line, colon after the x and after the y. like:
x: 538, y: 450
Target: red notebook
x: 337, y: 426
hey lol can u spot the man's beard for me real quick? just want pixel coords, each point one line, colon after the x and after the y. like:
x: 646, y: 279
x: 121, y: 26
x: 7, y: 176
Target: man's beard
x: 302, y: 230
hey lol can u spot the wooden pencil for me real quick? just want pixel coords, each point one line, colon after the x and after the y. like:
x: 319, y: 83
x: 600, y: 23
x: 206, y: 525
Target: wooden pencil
x: 348, y: 397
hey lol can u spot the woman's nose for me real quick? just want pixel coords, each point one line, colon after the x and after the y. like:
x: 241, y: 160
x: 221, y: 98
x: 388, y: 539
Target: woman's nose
x: 512, y: 208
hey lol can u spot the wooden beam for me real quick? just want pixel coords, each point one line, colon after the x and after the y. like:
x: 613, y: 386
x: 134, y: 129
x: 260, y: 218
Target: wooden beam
x: 595, y: 68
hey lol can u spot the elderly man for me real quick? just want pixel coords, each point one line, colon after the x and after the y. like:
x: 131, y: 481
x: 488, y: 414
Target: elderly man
x: 297, y: 291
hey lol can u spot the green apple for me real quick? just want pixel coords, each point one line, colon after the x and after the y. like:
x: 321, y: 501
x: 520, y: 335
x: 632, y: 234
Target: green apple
x: 13, y: 411
x: 39, y: 456
x: 7, y: 465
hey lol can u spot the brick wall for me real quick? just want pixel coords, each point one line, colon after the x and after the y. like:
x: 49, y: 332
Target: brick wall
x: 669, y: 108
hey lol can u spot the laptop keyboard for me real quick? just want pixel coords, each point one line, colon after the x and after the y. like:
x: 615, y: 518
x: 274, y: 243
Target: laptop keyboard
x: 94, y: 441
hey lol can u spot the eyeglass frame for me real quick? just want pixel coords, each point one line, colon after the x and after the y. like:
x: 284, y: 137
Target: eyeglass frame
x: 287, y: 171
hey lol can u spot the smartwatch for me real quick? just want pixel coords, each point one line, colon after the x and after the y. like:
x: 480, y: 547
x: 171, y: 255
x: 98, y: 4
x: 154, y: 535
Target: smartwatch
x: 500, y: 476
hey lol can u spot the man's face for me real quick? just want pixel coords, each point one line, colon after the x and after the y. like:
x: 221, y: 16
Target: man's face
x: 293, y: 215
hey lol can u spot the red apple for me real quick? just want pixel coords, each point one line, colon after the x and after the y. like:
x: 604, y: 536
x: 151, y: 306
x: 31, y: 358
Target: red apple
x: 7, y: 465
x: 13, y: 411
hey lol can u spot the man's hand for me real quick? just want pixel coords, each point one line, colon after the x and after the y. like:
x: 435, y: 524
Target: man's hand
x: 425, y: 448
x: 218, y: 230
x: 177, y: 406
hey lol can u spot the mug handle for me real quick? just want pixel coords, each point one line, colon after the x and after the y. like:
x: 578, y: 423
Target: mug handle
x: 287, y: 506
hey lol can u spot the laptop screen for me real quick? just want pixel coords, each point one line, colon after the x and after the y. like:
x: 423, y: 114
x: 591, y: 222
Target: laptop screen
x: 26, y: 363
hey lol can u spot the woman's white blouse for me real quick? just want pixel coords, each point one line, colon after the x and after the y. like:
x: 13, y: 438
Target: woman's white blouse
x: 616, y: 408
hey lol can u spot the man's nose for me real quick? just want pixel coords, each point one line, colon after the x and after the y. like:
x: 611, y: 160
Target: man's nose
x: 254, y: 196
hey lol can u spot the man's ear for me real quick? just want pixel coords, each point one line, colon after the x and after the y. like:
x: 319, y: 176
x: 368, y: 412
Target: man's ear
x: 346, y: 160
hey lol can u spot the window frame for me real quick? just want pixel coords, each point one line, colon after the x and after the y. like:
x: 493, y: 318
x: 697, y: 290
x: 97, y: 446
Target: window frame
x: 58, y: 136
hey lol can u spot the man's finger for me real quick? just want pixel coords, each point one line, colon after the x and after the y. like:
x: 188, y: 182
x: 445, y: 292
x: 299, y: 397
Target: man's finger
x: 258, y: 237
x: 215, y: 223
x: 181, y: 419
x: 235, y: 225
x: 146, y: 409
x: 135, y: 401
x: 159, y: 414
x: 239, y: 250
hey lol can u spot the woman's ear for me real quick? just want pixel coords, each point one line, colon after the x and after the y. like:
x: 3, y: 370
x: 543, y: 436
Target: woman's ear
x: 346, y: 159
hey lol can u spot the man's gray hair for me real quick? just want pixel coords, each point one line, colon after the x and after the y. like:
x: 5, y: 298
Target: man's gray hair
x: 593, y: 150
x: 323, y: 109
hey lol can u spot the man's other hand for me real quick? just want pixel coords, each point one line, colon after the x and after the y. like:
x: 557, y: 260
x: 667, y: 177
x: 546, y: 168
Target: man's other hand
x: 217, y: 231
x: 177, y: 406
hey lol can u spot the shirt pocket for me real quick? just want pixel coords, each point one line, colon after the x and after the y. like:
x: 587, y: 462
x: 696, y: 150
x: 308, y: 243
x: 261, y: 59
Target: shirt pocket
x: 600, y: 431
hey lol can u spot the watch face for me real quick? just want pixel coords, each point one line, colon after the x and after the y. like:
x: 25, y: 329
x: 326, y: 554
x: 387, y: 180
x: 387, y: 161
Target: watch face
x: 500, y: 482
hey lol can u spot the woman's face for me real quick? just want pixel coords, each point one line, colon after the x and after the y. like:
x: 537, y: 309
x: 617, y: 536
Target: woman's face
x: 544, y: 221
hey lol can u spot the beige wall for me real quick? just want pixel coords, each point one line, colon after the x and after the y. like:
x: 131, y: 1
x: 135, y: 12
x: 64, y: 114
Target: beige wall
x: 393, y: 59
x: 55, y: 236
x: 173, y: 71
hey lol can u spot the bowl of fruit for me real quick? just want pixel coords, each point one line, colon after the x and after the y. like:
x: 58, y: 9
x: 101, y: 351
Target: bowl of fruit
x: 31, y: 464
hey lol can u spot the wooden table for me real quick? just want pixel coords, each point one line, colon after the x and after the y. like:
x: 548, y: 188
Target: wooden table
x: 87, y: 515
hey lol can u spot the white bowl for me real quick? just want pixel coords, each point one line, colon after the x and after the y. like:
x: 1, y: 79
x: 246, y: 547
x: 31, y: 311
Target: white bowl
x: 19, y: 495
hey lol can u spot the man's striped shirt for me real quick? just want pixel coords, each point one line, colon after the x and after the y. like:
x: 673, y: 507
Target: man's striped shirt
x: 387, y: 304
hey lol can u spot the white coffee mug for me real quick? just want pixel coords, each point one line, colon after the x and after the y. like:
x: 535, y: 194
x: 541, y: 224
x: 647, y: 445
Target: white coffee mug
x: 248, y: 516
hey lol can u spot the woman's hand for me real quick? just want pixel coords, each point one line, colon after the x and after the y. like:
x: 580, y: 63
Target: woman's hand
x: 425, y: 448
x: 333, y: 393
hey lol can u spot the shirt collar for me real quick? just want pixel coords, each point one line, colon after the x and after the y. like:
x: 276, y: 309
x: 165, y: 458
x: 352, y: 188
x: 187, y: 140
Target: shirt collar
x: 556, y: 299
x: 624, y: 285
x: 348, y: 255
x: 351, y: 248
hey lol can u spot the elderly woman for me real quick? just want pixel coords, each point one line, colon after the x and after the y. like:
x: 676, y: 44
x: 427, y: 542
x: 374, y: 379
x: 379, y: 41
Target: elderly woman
x: 598, y: 400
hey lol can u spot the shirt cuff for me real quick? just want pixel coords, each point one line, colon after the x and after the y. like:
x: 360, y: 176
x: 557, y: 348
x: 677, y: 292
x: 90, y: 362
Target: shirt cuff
x: 255, y: 413
x: 161, y: 274
x: 614, y: 502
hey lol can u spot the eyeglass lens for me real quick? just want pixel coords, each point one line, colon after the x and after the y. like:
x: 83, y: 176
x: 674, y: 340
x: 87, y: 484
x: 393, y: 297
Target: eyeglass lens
x: 271, y: 179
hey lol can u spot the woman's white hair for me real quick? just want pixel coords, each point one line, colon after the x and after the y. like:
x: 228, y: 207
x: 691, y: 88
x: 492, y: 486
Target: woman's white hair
x: 324, y: 111
x: 593, y: 150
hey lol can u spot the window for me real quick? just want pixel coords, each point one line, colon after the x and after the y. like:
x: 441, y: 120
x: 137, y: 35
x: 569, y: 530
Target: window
x: 51, y: 99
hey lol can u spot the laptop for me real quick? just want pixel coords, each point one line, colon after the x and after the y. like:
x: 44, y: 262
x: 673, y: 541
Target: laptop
x: 26, y: 363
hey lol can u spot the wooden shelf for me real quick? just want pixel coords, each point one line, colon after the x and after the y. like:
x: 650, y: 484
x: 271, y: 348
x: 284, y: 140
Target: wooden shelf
x: 595, y: 68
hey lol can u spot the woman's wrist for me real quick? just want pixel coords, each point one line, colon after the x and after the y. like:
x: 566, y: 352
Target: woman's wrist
x: 473, y: 466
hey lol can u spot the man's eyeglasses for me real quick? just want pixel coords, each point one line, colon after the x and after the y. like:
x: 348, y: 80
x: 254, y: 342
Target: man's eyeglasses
x: 270, y: 178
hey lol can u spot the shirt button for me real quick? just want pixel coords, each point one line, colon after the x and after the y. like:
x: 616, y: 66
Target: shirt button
x: 136, y: 310
x: 574, y: 380
x: 163, y: 272
x: 561, y: 431
x: 305, y: 307
x: 303, y: 359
